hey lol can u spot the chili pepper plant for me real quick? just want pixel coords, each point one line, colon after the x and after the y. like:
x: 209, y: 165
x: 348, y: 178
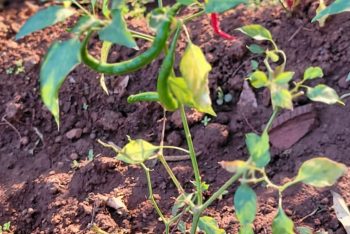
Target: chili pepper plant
x: 188, y: 88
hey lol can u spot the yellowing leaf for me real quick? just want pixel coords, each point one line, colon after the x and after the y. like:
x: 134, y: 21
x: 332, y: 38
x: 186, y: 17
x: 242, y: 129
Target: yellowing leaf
x: 321, y: 7
x: 195, y: 70
x: 341, y: 210
x: 256, y: 31
x: 136, y: 152
x: 233, y: 166
x: 258, y: 79
x: 209, y: 226
x: 323, y: 93
x: 320, y: 172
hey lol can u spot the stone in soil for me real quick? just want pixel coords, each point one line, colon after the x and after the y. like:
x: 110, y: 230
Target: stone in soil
x: 247, y: 101
x: 74, y: 133
x: 291, y: 126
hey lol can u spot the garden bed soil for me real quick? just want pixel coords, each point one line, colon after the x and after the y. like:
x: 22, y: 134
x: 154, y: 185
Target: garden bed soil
x: 40, y: 191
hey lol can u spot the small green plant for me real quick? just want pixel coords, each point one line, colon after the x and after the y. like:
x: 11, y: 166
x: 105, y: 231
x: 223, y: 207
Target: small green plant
x: 91, y: 155
x: 205, y: 121
x: 75, y: 165
x: 222, y: 97
x: 5, y: 227
x: 188, y: 88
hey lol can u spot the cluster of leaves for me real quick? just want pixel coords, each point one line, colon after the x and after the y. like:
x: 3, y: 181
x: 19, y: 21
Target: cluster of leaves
x: 190, y: 88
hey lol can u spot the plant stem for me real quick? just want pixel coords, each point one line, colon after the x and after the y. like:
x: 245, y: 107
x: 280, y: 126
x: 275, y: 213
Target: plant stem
x: 160, y: 3
x: 216, y: 195
x: 192, y: 156
x: 142, y: 35
x: 81, y: 8
x: 171, y: 174
x: 269, y: 123
x: 174, y: 148
x: 151, y: 197
x: 188, y: 18
x: 161, y: 158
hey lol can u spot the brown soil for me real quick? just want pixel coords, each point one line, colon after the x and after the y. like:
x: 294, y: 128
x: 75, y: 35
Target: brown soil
x: 41, y: 193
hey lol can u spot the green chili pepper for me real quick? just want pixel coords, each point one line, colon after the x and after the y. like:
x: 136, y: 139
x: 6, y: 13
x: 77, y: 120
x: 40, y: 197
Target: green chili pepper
x: 144, y: 97
x: 166, y: 98
x: 138, y: 62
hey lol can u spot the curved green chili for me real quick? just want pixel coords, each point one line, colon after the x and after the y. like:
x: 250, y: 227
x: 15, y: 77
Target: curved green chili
x: 165, y: 96
x: 138, y: 62
x: 144, y: 97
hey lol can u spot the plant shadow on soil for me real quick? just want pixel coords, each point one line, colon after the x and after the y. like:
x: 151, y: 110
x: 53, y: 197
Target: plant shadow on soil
x: 40, y: 193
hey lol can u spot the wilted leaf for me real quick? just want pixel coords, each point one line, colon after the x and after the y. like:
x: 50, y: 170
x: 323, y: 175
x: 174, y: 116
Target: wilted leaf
x: 341, y: 211
x: 320, y: 172
x: 245, y: 204
x: 195, y: 69
x: 258, y: 79
x: 106, y: 46
x: 209, y: 225
x: 59, y: 61
x: 233, y: 166
x: 45, y: 18
x: 323, y: 93
x: 136, y: 152
x: 281, y: 97
x: 256, y: 31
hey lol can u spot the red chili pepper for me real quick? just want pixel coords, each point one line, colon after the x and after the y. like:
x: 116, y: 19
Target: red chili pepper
x: 215, y: 23
x: 290, y: 3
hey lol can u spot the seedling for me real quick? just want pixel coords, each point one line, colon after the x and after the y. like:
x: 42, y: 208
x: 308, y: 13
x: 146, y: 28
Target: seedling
x: 5, y: 227
x: 223, y: 98
x: 189, y: 89
x: 91, y: 155
x: 75, y: 165
x: 205, y: 121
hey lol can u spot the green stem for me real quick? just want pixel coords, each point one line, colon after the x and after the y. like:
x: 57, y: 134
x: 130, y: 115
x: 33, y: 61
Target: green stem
x: 160, y: 3
x: 142, y: 35
x: 199, y: 210
x: 174, y: 148
x: 269, y: 123
x: 151, y: 197
x: 171, y: 174
x: 345, y: 96
x: 81, y: 8
x: 188, y: 18
x: 192, y: 156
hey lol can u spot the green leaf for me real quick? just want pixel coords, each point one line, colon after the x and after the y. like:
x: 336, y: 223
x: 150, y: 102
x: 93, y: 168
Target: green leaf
x: 304, y: 230
x: 7, y: 226
x: 84, y: 23
x: 60, y: 60
x: 186, y: 2
x: 254, y: 64
x: 195, y: 69
x: 182, y: 93
x: 219, y: 6
x: 117, y: 32
x: 45, y: 18
x: 257, y: 32
x: 272, y: 55
x: 245, y: 204
x: 313, y: 73
x: 258, y: 148
x: 256, y: 49
x: 136, y: 151
x: 281, y: 97
x: 258, y: 79
x: 106, y: 46
x: 323, y: 93
x: 282, y: 224
x: 209, y: 225
x: 320, y: 172
x: 348, y: 77
x: 284, y: 78
x: 246, y: 229
x: 336, y: 7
